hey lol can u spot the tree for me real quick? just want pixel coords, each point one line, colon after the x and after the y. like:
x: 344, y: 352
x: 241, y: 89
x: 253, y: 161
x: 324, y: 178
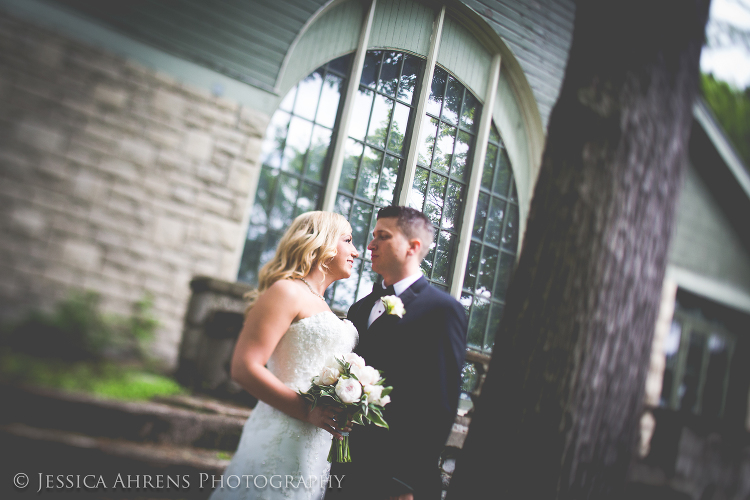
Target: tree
x: 560, y: 407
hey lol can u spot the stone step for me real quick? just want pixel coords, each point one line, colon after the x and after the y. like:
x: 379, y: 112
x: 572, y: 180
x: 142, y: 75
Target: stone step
x: 65, y: 464
x: 182, y: 422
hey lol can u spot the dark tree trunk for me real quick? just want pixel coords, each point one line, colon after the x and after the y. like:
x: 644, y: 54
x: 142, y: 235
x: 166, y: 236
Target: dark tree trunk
x: 559, y: 410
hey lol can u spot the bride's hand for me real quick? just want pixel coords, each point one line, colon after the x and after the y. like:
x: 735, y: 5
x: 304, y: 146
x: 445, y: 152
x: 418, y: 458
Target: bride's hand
x: 325, y: 418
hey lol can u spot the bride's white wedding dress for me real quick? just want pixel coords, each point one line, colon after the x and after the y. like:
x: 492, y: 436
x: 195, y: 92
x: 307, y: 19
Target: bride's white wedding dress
x: 280, y: 457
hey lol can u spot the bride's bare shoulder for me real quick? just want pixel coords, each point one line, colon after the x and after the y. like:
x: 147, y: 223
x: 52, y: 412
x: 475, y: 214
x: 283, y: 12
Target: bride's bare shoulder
x: 282, y: 290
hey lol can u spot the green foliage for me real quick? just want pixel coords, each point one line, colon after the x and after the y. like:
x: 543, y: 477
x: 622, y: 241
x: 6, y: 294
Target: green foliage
x: 103, y: 379
x: 77, y: 330
x: 732, y: 110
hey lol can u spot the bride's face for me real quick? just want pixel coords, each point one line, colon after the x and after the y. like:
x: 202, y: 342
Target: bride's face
x: 341, y: 265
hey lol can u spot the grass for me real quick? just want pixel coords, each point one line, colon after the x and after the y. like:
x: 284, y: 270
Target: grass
x: 104, y: 379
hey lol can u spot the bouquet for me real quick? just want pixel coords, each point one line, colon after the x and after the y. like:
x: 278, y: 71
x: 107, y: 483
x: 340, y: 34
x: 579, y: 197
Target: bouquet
x: 348, y: 383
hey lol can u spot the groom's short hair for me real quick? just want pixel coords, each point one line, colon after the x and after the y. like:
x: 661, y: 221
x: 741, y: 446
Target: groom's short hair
x: 413, y: 223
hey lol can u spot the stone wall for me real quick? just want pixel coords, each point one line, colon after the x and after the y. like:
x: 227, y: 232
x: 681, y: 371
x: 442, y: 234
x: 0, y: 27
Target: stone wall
x: 115, y: 178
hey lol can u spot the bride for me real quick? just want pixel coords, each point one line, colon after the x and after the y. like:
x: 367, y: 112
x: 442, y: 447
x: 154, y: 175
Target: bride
x: 288, y: 335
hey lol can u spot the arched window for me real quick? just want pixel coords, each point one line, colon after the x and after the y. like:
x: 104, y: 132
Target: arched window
x: 419, y: 128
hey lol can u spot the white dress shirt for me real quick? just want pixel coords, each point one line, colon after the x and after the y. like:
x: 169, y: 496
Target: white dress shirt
x: 378, y: 309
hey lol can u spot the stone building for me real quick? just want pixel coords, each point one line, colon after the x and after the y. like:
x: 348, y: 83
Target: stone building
x: 143, y: 144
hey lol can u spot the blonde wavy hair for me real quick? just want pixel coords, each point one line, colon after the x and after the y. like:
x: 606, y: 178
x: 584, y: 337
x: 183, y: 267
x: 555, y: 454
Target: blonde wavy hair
x: 310, y: 241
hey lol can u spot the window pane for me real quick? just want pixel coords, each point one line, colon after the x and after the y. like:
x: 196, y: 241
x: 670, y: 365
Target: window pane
x: 288, y: 103
x: 480, y: 215
x: 435, y: 198
x: 453, y: 200
x: 444, y: 148
x: 435, y: 99
x: 343, y: 205
x: 329, y: 100
x: 308, y: 198
x: 461, y: 157
x: 362, y: 107
x: 469, y: 115
x: 389, y: 73
x: 510, y: 237
x: 487, y: 266
x: 308, y: 94
x: 472, y: 266
x: 504, y: 272
x: 297, y: 142
x: 452, y: 103
x: 412, y: 67
x: 387, y: 189
x: 360, y: 222
x: 503, y: 175
x: 318, y: 151
x: 489, y: 166
x: 345, y: 291
x: 368, y: 278
x: 478, y: 322
x: 443, y: 257
x: 419, y: 188
x: 371, y: 68
x: 273, y: 144
x: 379, y: 121
x: 398, y: 128
x: 671, y: 348
x: 283, y: 204
x: 427, y: 143
x: 495, y: 221
x: 369, y: 173
x: 351, y: 164
x: 691, y: 378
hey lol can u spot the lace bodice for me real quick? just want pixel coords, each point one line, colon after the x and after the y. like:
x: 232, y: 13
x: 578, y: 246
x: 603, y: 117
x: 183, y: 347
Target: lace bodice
x: 304, y: 349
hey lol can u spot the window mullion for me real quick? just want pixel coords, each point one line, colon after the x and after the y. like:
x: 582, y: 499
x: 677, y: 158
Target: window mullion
x: 475, y: 181
x: 416, y: 133
x: 339, y: 151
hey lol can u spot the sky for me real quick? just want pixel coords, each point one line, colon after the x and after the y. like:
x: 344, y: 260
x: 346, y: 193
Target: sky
x: 730, y: 64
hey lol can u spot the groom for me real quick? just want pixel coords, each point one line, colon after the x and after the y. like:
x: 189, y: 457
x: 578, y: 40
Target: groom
x: 421, y: 356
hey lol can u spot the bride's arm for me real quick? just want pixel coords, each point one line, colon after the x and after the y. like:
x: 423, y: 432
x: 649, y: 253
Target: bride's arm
x: 265, y: 324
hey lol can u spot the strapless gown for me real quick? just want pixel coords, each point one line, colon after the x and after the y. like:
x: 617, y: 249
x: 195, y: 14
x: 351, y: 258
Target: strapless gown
x: 280, y: 457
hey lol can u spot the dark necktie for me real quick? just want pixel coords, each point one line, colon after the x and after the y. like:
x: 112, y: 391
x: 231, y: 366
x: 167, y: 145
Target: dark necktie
x: 378, y: 290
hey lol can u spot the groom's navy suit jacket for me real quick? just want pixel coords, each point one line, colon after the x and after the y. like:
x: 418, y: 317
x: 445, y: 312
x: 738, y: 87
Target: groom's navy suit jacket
x: 421, y: 356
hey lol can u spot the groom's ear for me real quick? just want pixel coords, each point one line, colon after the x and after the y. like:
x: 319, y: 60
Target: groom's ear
x: 415, y: 246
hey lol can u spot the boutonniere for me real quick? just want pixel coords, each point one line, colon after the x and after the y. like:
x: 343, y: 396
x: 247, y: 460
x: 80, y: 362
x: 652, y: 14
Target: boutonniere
x: 393, y: 305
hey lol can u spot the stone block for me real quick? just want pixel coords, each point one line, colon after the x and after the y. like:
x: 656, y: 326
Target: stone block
x: 198, y: 145
x: 252, y: 121
x: 110, y: 96
x: 167, y: 101
x: 40, y: 136
x: 139, y: 151
x: 252, y: 150
x: 165, y: 137
x: 229, y: 147
x: 211, y: 173
x: 183, y: 194
x: 29, y: 221
x: 82, y: 254
x: 242, y: 177
x: 173, y: 158
x: 169, y: 232
x: 120, y: 168
x: 214, y: 205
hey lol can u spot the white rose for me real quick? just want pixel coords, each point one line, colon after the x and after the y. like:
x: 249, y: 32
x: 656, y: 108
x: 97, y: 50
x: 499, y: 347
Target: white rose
x: 373, y: 393
x: 349, y: 390
x: 367, y: 375
x: 384, y: 401
x: 393, y: 305
x: 328, y: 376
x: 354, y: 360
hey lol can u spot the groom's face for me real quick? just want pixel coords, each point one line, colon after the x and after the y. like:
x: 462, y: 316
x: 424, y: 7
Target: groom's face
x: 389, y: 248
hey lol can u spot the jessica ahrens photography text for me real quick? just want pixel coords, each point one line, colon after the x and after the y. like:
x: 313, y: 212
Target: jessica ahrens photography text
x: 165, y: 481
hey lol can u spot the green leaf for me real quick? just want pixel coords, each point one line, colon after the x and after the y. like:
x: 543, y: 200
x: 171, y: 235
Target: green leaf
x: 377, y: 419
x: 386, y: 391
